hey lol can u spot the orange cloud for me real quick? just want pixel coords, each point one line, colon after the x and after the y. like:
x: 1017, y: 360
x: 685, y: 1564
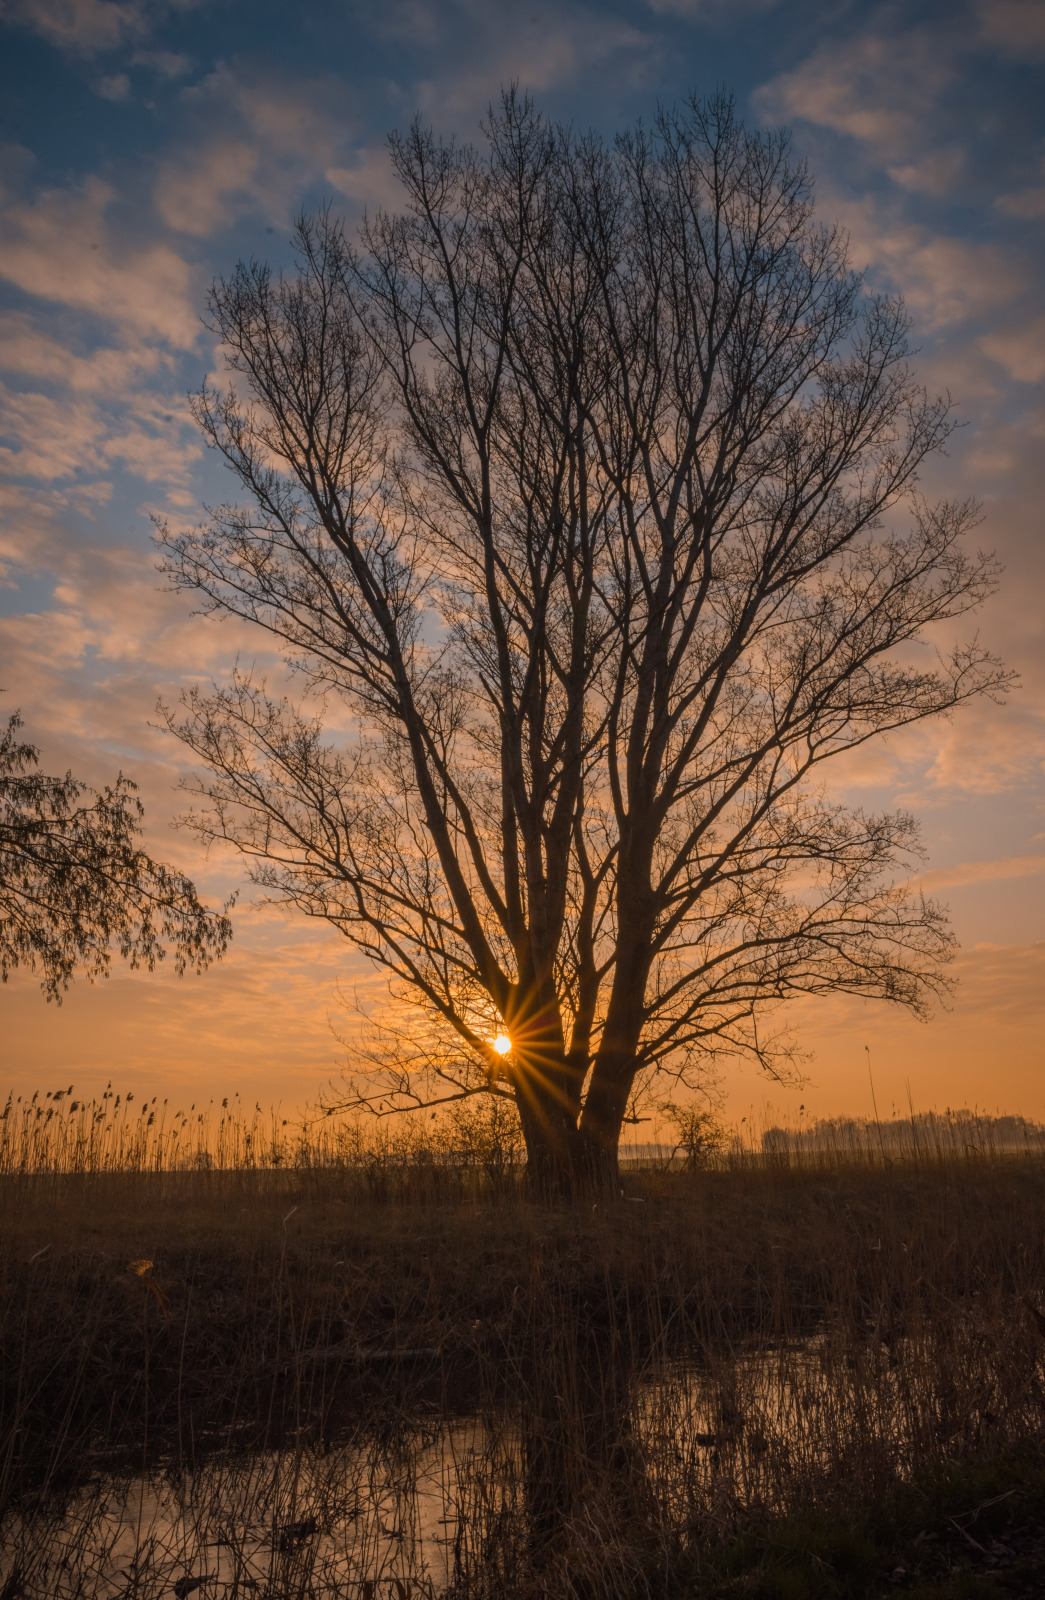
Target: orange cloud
x: 979, y: 872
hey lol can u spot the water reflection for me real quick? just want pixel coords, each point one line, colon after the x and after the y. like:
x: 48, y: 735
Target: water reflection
x: 583, y: 1461
x: 291, y: 1522
x: 596, y: 1455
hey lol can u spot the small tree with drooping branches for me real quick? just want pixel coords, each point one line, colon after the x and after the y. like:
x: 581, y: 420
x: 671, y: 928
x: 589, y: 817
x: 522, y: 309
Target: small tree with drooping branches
x: 75, y: 884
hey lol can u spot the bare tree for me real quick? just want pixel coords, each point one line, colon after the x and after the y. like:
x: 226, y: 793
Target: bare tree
x: 585, y: 486
x: 74, y: 882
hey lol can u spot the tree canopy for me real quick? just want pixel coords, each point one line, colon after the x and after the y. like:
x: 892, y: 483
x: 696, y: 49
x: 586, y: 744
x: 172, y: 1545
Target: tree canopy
x: 74, y: 883
x: 583, y: 491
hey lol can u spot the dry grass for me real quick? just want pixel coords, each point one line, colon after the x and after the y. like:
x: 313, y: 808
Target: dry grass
x: 368, y: 1337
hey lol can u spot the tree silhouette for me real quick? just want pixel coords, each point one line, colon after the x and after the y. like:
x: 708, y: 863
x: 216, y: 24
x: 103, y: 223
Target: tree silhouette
x: 74, y: 884
x: 584, y: 487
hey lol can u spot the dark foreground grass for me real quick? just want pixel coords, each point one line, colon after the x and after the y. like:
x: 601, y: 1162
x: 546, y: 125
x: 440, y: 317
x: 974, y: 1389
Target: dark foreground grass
x: 966, y: 1530
x: 260, y: 1284
x: 773, y: 1379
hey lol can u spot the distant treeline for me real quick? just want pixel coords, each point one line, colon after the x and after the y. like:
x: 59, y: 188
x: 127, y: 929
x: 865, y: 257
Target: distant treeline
x: 929, y: 1131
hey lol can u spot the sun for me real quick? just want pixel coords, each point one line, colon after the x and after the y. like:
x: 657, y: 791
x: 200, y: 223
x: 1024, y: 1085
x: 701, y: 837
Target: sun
x: 502, y: 1044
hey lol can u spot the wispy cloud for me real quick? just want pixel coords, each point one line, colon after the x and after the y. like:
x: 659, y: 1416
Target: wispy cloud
x: 476, y: 49
x: 88, y: 27
x: 28, y: 349
x: 169, y: 64
x: 117, y: 87
x: 85, y: 26
x: 255, y: 144
x: 713, y: 10
x: 987, y: 750
x: 197, y: 1037
x: 60, y: 247
x: 881, y: 87
x: 368, y: 180
x: 1019, y: 347
x: 1015, y: 26
x: 967, y: 872
x: 944, y: 279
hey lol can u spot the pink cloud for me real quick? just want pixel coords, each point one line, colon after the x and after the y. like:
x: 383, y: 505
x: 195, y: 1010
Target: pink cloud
x: 1028, y: 204
x: 89, y: 26
x: 1014, y: 26
x: 936, y: 173
x: 116, y: 87
x: 255, y: 145
x: 369, y: 181
x: 701, y: 9
x: 201, y: 192
x: 85, y: 26
x: 944, y: 280
x: 56, y: 437
x: 26, y: 348
x: 540, y: 51
x: 878, y: 88
x: 1019, y: 348
x: 264, y: 1020
x: 987, y: 750
x: 60, y: 248
x: 167, y: 64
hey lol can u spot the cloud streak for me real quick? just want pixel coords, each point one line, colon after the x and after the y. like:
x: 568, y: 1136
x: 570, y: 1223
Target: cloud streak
x: 968, y: 872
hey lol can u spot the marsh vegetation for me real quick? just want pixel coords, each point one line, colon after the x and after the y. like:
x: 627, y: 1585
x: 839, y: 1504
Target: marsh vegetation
x: 249, y: 1359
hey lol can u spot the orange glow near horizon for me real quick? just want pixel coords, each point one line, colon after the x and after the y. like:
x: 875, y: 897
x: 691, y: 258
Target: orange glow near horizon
x: 196, y: 157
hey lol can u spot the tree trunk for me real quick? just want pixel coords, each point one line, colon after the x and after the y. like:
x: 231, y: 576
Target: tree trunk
x: 550, y: 1131
x: 571, y: 1154
x: 597, y: 1167
x: 603, y: 1119
x: 567, y: 1161
x: 615, y: 1066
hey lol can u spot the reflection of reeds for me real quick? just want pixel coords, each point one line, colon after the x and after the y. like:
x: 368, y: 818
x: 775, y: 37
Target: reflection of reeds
x: 373, y: 1368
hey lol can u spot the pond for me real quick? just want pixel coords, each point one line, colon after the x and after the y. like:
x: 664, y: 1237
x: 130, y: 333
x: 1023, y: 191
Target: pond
x: 602, y: 1462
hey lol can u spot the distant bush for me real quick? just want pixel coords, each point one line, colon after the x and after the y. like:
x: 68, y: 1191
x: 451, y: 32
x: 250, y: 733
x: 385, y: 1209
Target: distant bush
x: 700, y: 1136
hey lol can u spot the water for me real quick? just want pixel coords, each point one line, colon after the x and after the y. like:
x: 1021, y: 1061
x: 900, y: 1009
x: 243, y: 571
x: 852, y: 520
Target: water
x: 293, y: 1522
x: 598, y: 1464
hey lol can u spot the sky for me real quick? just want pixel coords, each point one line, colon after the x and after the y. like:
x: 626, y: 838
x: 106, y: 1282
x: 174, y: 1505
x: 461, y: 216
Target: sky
x: 146, y: 146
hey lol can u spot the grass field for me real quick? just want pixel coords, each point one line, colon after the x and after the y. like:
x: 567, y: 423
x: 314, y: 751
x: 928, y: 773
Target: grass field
x: 809, y: 1371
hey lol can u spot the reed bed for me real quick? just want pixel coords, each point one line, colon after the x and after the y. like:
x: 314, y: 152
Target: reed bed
x: 58, y: 1134
x: 320, y: 1361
